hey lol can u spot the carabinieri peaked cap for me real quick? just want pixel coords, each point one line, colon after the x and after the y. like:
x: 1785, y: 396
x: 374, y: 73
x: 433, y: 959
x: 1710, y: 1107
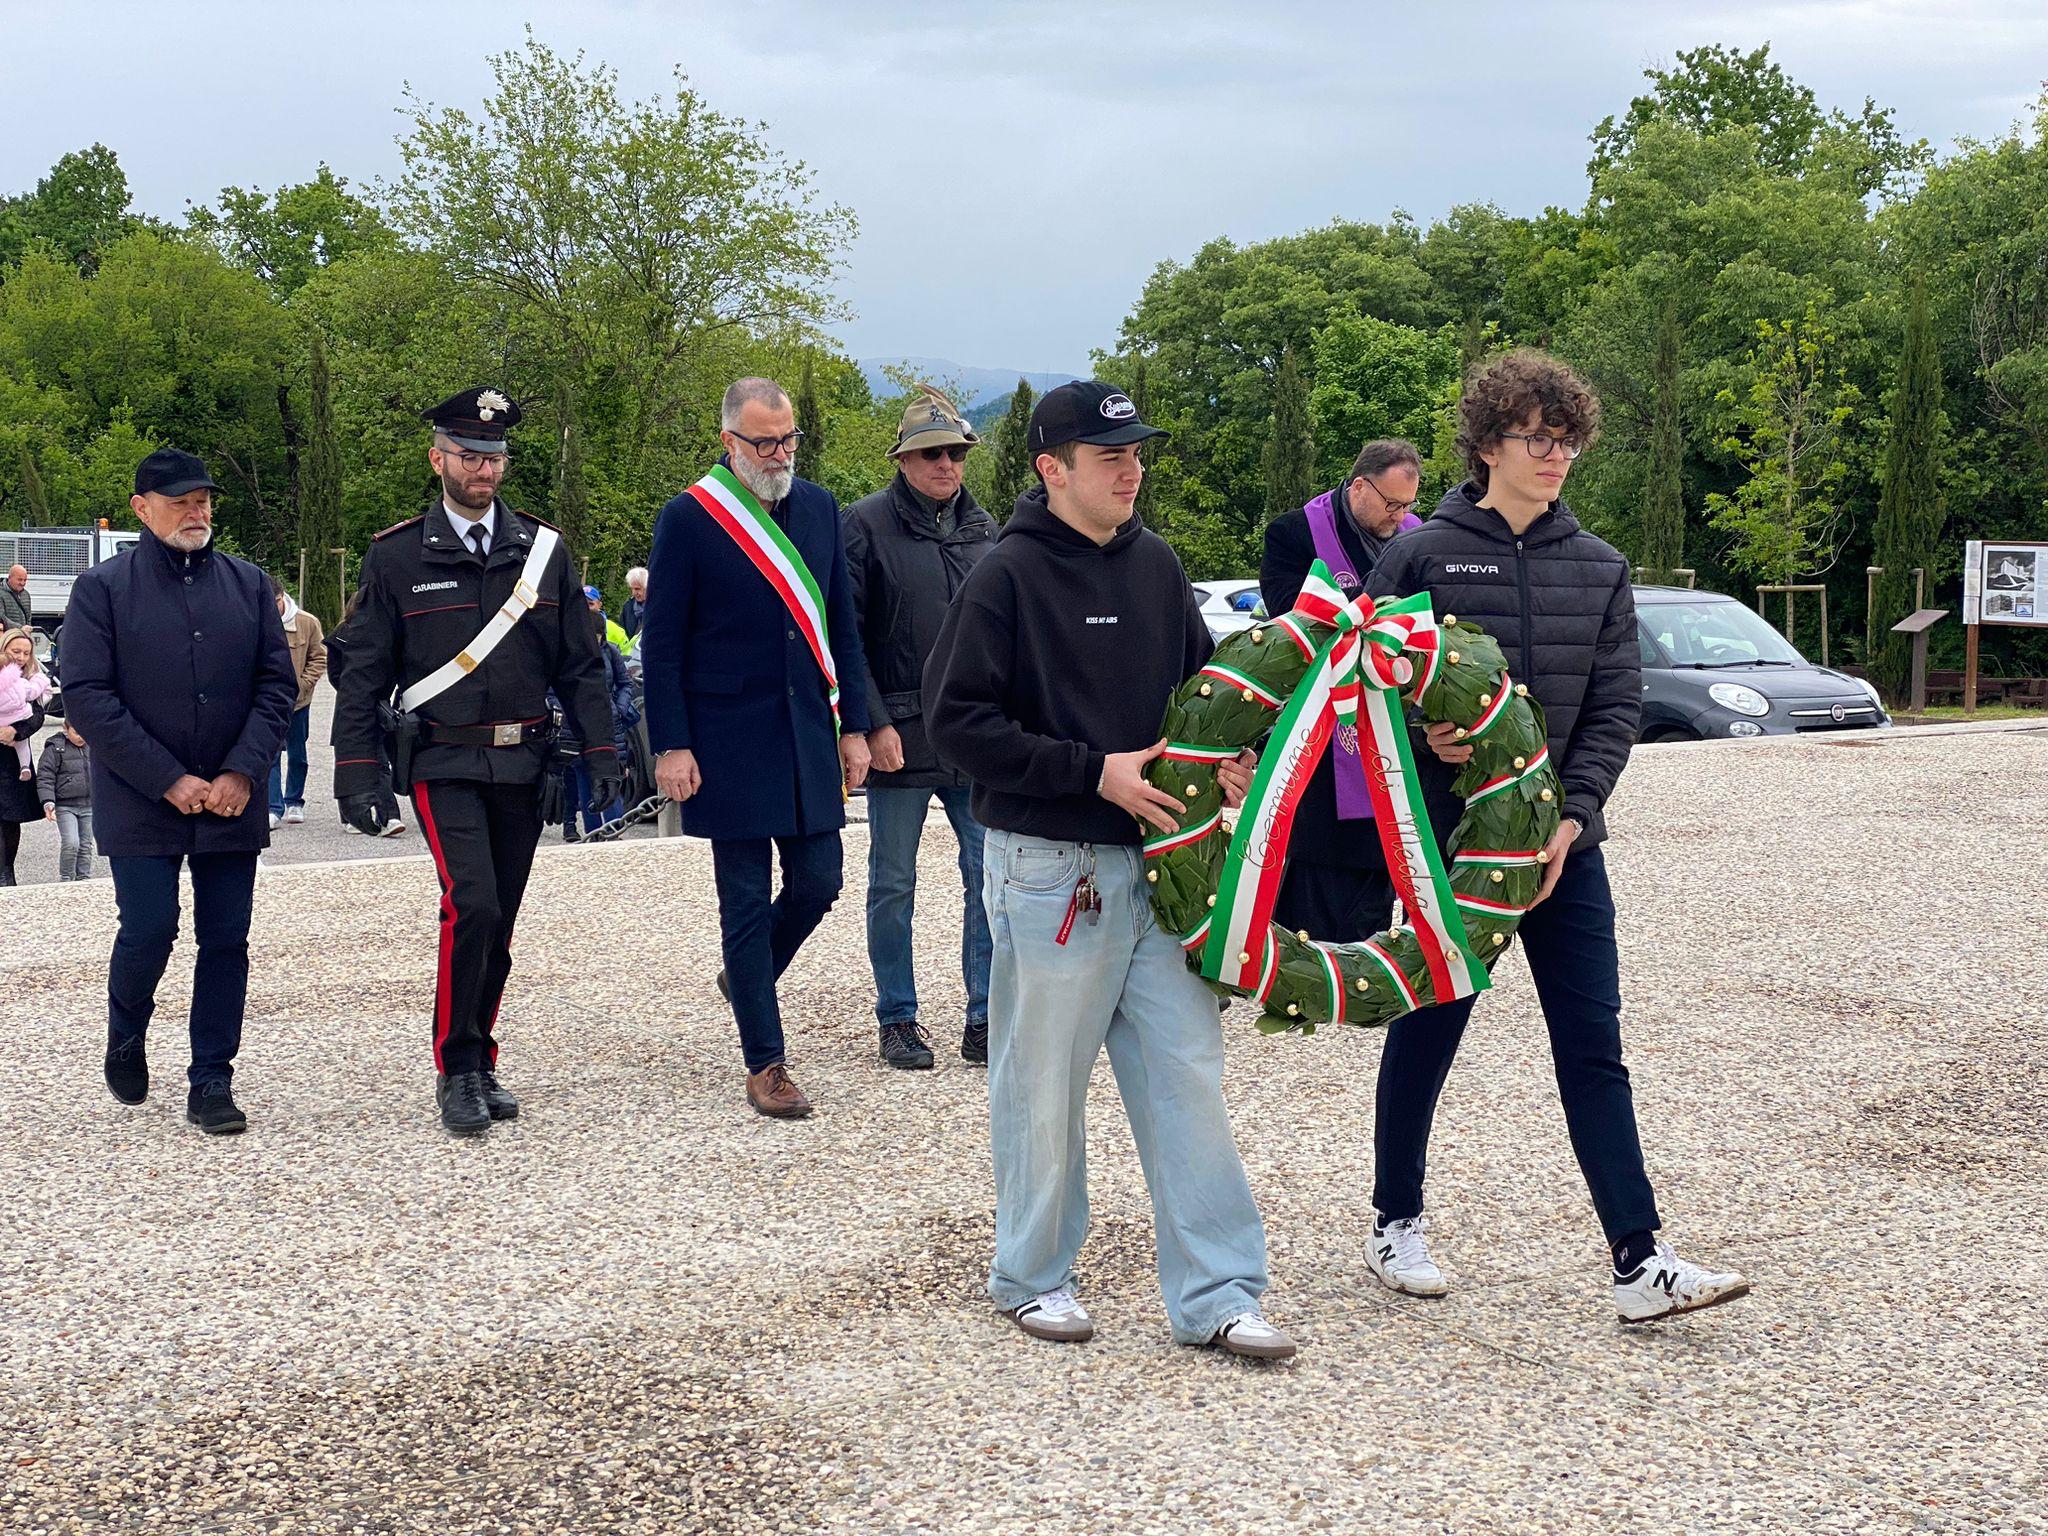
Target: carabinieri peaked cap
x: 476, y: 419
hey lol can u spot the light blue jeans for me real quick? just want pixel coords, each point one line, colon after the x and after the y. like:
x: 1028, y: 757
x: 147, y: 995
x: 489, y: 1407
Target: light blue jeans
x: 1123, y: 983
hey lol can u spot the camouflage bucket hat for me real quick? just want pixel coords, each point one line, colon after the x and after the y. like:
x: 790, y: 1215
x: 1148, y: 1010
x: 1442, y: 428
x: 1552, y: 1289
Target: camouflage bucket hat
x: 931, y: 421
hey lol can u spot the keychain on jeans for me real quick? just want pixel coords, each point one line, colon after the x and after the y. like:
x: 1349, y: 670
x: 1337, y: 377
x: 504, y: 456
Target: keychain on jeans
x: 1086, y: 897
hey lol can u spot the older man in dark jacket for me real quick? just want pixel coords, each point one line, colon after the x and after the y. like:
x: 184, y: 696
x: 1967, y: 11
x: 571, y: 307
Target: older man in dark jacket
x: 757, y: 704
x: 908, y: 548
x: 178, y: 676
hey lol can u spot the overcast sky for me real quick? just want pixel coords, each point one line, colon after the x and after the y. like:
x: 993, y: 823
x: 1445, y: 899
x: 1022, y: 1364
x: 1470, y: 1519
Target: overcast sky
x: 1018, y: 168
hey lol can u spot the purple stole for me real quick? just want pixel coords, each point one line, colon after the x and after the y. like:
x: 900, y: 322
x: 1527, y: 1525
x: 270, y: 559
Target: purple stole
x: 1354, y: 800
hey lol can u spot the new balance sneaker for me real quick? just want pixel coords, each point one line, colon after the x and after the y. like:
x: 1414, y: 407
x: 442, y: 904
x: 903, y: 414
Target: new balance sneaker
x: 1399, y: 1256
x: 1665, y: 1285
x: 392, y: 828
x: 1055, y: 1315
x: 1250, y: 1335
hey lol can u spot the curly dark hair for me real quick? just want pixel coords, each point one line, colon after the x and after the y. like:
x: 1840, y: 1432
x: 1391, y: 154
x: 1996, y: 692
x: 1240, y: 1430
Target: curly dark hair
x: 1501, y: 392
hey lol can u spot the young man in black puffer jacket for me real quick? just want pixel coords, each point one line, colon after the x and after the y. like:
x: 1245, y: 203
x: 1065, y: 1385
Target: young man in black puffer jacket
x: 1505, y: 552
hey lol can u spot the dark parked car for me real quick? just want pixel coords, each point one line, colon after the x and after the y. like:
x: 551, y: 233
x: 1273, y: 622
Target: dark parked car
x: 1713, y: 667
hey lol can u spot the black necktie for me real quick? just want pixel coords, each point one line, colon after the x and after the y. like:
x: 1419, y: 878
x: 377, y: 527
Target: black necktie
x: 476, y: 539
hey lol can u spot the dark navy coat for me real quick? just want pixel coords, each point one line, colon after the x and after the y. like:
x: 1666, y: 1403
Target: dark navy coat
x: 174, y: 664
x: 729, y: 675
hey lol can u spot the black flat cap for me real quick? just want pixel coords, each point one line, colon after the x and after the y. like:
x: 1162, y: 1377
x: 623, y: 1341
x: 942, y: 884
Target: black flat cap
x: 476, y: 419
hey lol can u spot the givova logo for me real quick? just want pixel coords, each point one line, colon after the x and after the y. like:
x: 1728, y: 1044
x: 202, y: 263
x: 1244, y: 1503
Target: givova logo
x: 1471, y: 570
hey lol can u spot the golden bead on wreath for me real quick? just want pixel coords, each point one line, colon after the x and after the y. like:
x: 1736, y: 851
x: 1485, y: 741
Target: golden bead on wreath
x: 1152, y: 875
x: 1461, y: 733
x: 1247, y: 695
x: 1302, y: 934
x: 1194, y: 790
x: 1542, y: 857
x: 1546, y: 795
x: 1207, y: 690
x: 1485, y: 701
x: 1499, y: 939
x: 1521, y: 762
x: 1452, y: 658
x: 1521, y: 690
x: 1497, y: 877
x: 1212, y: 901
x: 1257, y: 635
x: 1450, y: 619
x: 1293, y: 1008
x: 1243, y: 958
x: 1362, y: 985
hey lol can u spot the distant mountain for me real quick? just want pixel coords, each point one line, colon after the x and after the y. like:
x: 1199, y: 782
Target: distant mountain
x: 978, y: 387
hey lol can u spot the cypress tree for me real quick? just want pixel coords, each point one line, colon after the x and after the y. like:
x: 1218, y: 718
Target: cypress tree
x: 1663, y: 533
x: 35, y: 502
x: 810, y: 420
x: 320, y: 489
x: 572, y: 493
x: 1910, y: 512
x: 1010, y: 447
x: 1289, y: 460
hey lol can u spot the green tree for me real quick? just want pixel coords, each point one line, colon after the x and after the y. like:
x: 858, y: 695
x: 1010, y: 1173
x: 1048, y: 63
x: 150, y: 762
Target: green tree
x: 653, y: 248
x: 1909, y: 512
x: 35, y: 503
x: 1662, y: 549
x: 76, y: 211
x: 320, y: 525
x: 284, y: 237
x: 810, y: 420
x: 1785, y: 520
x: 1288, y: 463
x: 1011, y: 460
x: 1376, y: 379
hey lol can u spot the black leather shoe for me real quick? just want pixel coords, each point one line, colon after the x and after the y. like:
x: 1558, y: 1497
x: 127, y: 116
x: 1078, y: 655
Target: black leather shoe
x: 724, y: 985
x: 212, y: 1108
x: 974, y: 1042
x: 127, y: 1069
x: 500, y: 1103
x: 904, y: 1045
x: 461, y: 1097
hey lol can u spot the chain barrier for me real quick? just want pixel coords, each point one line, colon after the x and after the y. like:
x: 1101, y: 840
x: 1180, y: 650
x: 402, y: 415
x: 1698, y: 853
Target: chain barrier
x: 641, y: 814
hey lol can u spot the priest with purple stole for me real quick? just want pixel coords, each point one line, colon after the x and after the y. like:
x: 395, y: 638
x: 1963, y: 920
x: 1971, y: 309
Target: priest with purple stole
x: 1336, y: 887
x: 757, y: 695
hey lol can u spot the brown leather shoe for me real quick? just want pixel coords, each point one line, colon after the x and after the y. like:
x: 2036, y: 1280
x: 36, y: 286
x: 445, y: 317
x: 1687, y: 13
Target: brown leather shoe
x: 772, y: 1093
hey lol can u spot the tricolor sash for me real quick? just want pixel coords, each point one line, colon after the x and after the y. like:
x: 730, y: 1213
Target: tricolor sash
x: 733, y: 507
x: 1355, y: 680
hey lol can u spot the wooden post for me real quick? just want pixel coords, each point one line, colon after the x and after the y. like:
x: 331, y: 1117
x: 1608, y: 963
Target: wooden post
x: 1970, y: 669
x: 302, y: 575
x: 341, y: 576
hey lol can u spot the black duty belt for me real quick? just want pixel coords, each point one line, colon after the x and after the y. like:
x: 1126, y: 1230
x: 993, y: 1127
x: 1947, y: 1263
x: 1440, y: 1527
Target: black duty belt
x: 516, y: 733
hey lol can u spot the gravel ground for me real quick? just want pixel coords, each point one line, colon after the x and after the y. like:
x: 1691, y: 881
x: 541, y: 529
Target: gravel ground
x: 641, y: 1308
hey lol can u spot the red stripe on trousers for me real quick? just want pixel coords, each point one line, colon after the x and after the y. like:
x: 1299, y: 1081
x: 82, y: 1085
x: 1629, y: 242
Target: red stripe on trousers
x: 444, y: 985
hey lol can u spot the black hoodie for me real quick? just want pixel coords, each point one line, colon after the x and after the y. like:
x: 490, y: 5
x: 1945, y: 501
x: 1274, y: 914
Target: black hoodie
x: 1057, y: 652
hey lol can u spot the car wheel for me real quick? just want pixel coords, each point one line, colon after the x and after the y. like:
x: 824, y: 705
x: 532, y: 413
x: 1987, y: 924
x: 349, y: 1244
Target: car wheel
x: 1669, y: 733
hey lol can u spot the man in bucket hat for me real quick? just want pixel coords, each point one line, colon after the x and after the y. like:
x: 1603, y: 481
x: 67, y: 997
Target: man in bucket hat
x: 909, y: 548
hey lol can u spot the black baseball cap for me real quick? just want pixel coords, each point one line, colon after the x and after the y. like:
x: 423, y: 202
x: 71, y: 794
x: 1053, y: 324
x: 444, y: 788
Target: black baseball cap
x: 168, y: 472
x: 1087, y: 411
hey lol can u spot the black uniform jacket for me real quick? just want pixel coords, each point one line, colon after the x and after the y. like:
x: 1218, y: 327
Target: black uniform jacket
x: 424, y: 597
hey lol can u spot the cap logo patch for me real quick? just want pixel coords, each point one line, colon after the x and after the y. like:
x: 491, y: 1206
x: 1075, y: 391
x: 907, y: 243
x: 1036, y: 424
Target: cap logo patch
x: 1117, y: 407
x: 490, y: 402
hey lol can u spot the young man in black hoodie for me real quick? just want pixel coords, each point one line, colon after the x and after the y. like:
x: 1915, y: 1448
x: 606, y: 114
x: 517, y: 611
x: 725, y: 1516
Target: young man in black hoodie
x: 1046, y: 688
x: 1504, y: 551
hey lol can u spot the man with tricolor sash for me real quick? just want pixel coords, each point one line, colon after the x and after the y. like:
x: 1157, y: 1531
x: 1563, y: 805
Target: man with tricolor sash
x: 1503, y: 551
x: 1046, y: 687
x: 757, y: 705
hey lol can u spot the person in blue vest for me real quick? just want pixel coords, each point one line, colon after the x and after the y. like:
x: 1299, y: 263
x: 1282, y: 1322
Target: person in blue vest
x: 177, y: 674
x: 748, y: 638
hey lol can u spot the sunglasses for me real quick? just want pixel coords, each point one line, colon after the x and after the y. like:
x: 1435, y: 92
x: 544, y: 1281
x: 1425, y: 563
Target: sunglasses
x: 957, y: 453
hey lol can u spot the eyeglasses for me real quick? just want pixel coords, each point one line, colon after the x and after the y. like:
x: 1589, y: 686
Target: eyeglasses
x: 473, y: 462
x: 957, y: 452
x: 1402, y: 507
x: 768, y: 447
x: 1541, y: 444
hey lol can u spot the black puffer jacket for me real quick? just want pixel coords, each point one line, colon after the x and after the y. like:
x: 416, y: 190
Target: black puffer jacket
x: 905, y: 576
x: 1559, y: 602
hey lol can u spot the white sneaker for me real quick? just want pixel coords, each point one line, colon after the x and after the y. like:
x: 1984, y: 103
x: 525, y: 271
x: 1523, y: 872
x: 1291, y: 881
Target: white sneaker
x: 275, y: 821
x: 1055, y: 1315
x: 1400, y: 1258
x: 1249, y: 1334
x: 392, y: 829
x: 1666, y: 1285
x: 294, y: 814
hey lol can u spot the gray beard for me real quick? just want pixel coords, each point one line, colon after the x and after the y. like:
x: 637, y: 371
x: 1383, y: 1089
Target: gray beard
x: 768, y: 485
x: 187, y: 543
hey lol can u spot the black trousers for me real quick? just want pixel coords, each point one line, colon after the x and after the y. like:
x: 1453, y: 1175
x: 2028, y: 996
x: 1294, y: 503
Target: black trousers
x: 146, y: 896
x: 482, y: 837
x: 761, y: 936
x: 1573, y: 959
